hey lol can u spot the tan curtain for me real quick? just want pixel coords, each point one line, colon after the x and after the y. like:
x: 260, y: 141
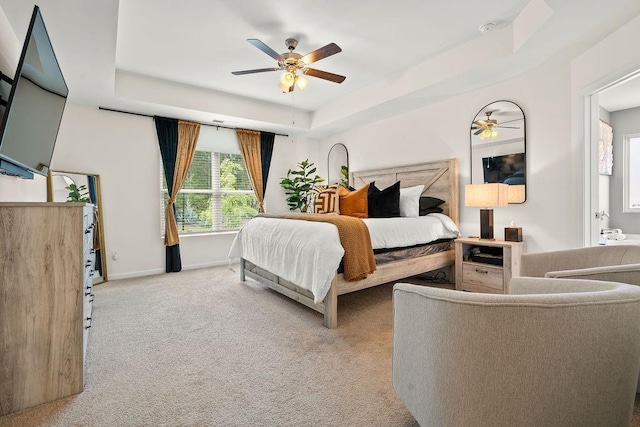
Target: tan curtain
x: 249, y: 141
x: 188, y: 133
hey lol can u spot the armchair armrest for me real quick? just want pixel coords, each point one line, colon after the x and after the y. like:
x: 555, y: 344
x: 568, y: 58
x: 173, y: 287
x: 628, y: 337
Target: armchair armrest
x: 537, y: 264
x: 626, y: 273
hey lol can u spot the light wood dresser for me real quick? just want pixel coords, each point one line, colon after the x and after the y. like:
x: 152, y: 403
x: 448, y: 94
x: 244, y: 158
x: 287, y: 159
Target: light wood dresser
x: 46, y: 293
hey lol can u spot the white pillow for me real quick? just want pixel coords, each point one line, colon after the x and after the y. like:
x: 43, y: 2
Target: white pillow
x: 410, y: 201
x: 447, y: 222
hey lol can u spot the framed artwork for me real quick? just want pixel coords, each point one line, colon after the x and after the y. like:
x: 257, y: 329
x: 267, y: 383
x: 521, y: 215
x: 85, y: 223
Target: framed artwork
x: 605, y: 148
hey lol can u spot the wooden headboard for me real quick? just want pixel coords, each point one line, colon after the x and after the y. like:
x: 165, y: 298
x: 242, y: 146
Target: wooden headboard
x: 440, y: 180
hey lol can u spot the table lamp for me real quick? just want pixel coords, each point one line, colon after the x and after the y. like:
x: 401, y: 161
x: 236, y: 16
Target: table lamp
x: 486, y: 196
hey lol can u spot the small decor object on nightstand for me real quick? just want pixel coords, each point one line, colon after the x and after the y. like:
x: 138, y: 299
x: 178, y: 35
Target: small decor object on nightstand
x: 513, y: 233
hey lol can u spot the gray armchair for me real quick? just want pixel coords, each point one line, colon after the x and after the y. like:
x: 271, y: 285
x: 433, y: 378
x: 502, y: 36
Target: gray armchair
x: 608, y: 263
x: 543, y: 355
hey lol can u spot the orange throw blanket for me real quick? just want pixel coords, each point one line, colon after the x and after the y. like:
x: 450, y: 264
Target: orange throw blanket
x: 354, y: 238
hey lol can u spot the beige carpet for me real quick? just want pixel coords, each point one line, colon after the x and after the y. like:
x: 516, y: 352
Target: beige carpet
x: 199, y: 348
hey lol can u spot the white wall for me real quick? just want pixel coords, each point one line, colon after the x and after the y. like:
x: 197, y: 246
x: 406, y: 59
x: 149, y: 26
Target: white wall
x: 441, y: 131
x: 552, y: 97
x: 123, y: 150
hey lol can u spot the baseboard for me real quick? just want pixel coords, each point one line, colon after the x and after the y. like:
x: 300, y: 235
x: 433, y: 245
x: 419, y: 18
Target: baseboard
x: 142, y: 273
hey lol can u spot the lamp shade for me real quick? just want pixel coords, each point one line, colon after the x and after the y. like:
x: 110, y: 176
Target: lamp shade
x: 486, y: 195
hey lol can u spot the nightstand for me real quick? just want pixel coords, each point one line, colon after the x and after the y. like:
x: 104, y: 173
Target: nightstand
x: 487, y: 265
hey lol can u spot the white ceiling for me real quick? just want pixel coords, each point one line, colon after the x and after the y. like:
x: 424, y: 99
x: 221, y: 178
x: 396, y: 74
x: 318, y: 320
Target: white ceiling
x: 175, y: 58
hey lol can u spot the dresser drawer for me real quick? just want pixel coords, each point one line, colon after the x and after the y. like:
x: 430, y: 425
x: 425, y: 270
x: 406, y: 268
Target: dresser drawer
x: 483, y: 275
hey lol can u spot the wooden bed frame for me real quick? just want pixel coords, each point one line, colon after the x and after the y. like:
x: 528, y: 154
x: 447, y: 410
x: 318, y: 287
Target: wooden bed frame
x: 440, y: 180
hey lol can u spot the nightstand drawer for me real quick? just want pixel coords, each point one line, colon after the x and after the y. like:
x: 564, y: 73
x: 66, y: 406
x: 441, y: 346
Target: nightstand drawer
x: 483, y: 275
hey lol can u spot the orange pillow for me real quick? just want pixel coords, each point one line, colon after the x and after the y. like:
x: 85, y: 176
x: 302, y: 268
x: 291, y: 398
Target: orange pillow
x: 353, y: 203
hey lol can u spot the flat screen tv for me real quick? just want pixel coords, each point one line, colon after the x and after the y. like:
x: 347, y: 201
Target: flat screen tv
x: 506, y: 169
x: 35, y: 105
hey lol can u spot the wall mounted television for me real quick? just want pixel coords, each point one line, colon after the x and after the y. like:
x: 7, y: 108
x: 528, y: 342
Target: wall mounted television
x: 506, y: 169
x: 34, y: 108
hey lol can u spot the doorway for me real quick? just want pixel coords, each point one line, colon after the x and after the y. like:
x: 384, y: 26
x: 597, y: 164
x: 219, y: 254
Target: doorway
x: 613, y: 97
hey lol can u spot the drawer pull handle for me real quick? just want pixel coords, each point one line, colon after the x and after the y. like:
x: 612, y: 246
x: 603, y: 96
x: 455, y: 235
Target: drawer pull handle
x: 92, y: 298
x: 86, y: 294
x: 87, y: 231
x: 482, y: 271
x: 87, y: 264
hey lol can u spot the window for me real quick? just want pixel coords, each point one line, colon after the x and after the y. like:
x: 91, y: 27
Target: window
x: 631, y: 183
x: 216, y: 194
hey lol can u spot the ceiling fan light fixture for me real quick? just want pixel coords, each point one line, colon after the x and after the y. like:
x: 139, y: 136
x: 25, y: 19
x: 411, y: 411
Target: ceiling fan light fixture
x: 283, y: 87
x: 488, y: 133
x: 287, y: 79
x: 301, y: 82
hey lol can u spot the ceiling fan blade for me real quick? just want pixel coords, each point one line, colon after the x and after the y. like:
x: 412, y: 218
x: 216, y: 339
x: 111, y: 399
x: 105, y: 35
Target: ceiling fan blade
x: 514, y: 120
x: 323, y: 75
x: 257, y: 70
x: 480, y: 122
x: 323, y: 52
x: 479, y: 131
x: 507, y: 127
x: 266, y: 49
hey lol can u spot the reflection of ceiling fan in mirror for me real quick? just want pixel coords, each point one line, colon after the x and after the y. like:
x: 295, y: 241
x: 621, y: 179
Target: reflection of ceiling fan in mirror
x: 292, y: 62
x: 487, y: 128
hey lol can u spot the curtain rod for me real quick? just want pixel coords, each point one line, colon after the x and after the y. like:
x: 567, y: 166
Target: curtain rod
x: 148, y: 115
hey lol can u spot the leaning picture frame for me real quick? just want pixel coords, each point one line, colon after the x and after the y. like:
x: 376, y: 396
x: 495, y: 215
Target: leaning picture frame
x: 605, y: 148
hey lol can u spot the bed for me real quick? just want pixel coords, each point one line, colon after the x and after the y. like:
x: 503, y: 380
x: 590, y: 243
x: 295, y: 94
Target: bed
x: 440, y: 179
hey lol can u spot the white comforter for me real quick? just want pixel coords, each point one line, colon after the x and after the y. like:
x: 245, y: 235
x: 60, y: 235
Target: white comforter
x: 308, y: 253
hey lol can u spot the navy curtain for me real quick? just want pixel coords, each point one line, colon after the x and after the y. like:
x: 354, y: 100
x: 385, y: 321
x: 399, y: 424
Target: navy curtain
x: 92, y: 189
x: 93, y: 198
x: 167, y: 130
x: 266, y: 151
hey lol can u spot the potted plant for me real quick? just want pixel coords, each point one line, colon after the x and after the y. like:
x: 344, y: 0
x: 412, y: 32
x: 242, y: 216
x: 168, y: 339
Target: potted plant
x: 344, y: 171
x: 77, y: 194
x: 298, y: 183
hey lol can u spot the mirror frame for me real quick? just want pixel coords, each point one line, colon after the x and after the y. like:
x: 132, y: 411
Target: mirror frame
x: 517, y: 193
x: 346, y: 151
x: 103, y: 252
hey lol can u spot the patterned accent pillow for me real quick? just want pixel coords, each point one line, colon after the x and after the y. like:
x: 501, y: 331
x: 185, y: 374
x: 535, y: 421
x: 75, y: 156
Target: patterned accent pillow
x: 311, y: 197
x: 326, y: 201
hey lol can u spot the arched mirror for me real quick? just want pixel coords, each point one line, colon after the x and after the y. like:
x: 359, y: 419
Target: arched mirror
x: 82, y: 187
x: 338, y: 165
x: 498, y: 148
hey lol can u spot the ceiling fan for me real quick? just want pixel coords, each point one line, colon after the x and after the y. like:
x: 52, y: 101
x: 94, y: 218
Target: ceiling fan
x: 486, y: 128
x: 292, y: 62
